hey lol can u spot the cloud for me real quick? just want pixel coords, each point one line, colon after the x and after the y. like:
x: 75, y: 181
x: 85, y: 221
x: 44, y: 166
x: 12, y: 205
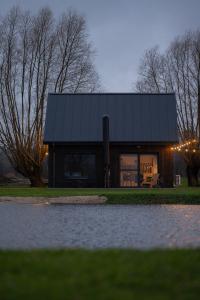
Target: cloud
x: 122, y: 30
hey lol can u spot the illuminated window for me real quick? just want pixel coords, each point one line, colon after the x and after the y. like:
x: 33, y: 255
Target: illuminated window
x: 136, y: 169
x: 128, y: 170
x: 148, y: 165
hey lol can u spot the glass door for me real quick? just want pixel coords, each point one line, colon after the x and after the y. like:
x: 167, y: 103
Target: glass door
x: 128, y: 170
x: 149, y: 169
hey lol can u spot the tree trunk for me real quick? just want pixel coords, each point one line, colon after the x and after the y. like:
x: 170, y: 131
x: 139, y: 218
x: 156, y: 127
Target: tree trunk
x: 192, y: 175
x: 36, y: 181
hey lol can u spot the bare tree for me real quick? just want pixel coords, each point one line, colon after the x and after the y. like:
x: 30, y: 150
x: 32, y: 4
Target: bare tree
x: 73, y: 70
x: 178, y: 70
x: 38, y: 55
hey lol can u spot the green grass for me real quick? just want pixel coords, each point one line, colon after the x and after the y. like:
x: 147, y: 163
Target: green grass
x: 101, y: 274
x: 182, y: 194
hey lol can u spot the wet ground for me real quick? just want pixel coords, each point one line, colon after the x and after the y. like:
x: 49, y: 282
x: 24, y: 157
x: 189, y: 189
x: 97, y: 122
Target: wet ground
x: 99, y: 226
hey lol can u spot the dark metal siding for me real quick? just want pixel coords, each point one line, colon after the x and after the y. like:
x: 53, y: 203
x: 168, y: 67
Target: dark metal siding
x: 133, y: 117
x: 165, y: 163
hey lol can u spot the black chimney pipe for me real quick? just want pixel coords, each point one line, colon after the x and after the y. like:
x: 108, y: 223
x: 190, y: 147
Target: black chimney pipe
x: 106, y: 151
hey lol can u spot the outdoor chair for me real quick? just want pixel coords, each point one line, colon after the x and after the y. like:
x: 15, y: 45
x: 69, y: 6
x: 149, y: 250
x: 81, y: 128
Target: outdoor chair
x: 151, y: 181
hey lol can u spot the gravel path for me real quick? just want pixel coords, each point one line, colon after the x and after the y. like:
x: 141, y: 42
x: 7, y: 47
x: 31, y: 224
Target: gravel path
x: 55, y: 200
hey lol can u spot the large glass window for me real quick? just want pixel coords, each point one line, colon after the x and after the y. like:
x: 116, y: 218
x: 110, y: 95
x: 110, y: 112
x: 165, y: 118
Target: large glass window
x: 138, y: 169
x: 128, y: 170
x: 148, y: 165
x: 80, y: 166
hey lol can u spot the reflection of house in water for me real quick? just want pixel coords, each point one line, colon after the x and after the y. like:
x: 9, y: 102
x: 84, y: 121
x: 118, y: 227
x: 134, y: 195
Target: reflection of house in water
x: 117, y: 140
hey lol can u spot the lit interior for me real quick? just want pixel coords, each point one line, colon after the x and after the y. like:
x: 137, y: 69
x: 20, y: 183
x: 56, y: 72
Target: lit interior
x: 129, y: 168
x: 148, y: 165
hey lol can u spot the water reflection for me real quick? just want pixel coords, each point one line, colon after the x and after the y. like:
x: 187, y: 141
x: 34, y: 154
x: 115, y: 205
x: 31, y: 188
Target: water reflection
x: 99, y: 226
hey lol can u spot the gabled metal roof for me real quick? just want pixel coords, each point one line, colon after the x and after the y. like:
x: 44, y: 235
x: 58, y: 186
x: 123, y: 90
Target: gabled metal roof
x: 133, y: 117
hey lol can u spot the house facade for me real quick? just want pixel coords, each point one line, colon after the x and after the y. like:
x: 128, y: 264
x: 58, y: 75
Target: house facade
x: 110, y: 140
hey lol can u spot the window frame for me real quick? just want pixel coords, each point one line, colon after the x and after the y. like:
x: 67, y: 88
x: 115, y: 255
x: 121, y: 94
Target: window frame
x: 138, y: 169
x: 66, y: 178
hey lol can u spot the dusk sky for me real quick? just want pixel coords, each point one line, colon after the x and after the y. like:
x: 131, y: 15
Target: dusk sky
x: 121, y: 30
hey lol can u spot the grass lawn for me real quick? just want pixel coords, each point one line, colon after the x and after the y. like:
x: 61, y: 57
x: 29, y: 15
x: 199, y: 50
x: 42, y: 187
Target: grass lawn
x: 181, y: 195
x: 100, y: 274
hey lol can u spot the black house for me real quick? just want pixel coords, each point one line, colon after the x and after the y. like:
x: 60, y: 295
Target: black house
x: 115, y: 140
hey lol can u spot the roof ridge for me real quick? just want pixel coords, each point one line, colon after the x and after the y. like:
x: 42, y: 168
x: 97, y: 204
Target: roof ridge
x: 158, y: 94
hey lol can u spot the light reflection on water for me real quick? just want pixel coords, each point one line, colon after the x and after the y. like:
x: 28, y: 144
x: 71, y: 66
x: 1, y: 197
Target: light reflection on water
x: 99, y: 226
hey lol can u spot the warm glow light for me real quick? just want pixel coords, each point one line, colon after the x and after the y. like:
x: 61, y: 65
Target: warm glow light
x: 186, y: 144
x: 46, y: 153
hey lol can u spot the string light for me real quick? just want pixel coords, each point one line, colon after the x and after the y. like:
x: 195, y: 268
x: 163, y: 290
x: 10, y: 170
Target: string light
x: 181, y: 147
